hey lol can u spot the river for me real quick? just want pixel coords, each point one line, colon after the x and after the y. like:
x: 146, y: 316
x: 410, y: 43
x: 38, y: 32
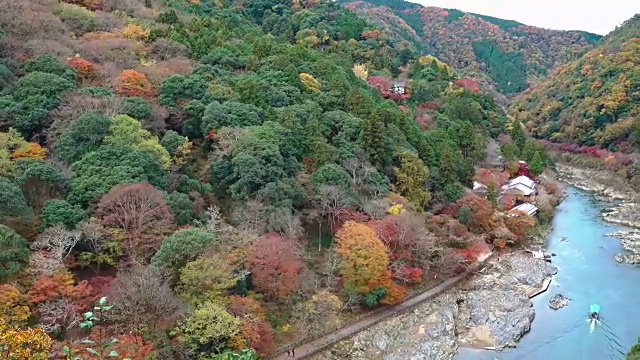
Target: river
x: 587, y: 273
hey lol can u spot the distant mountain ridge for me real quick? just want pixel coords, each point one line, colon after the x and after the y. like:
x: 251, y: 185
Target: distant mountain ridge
x: 593, y: 100
x: 509, y: 54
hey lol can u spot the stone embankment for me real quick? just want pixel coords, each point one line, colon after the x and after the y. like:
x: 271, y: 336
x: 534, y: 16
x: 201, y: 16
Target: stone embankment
x: 491, y: 310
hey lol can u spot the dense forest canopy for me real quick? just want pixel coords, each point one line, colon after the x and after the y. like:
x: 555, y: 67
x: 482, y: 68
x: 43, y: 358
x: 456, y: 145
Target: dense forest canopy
x: 217, y: 178
x: 509, y: 55
x: 592, y: 101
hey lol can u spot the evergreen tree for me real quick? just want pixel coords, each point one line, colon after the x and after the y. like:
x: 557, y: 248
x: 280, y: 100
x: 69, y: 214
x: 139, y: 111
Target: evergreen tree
x: 447, y: 171
x: 517, y: 135
x: 536, y: 167
x: 372, y: 140
x: 510, y: 151
x: 492, y: 195
x: 412, y: 176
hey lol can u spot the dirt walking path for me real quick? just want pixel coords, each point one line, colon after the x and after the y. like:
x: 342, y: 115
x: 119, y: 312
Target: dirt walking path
x: 319, y: 344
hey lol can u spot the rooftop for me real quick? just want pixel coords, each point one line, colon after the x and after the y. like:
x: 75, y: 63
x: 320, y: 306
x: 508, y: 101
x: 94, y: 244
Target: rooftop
x: 522, y: 180
x: 527, y: 208
x: 520, y: 187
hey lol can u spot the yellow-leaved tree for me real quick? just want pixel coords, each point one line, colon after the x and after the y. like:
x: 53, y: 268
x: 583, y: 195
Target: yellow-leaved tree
x: 364, y: 265
x: 309, y: 82
x: 363, y: 257
x: 23, y: 343
x: 126, y: 130
x: 13, y: 308
x: 361, y: 71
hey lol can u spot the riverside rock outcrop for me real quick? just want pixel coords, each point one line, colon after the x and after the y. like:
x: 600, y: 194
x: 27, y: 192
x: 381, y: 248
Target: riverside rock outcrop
x: 558, y: 301
x: 631, y: 243
x: 491, y: 310
x: 496, y: 309
x: 607, y: 188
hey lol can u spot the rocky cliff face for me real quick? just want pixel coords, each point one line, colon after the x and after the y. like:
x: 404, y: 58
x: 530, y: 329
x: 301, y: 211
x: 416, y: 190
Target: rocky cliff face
x: 495, y: 309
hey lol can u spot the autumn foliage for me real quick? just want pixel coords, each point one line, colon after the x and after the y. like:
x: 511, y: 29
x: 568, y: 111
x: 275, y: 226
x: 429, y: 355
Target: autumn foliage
x: 13, y: 308
x: 86, y: 70
x: 29, y: 150
x: 468, y: 84
x: 133, y: 83
x: 363, y: 257
x: 487, y: 177
x: 254, y: 329
x: 22, y: 344
x: 61, y: 285
x: 519, y: 223
x: 134, y: 32
x: 364, y: 262
x: 89, y: 4
x: 142, y: 213
x: 309, y: 82
x: 275, y: 265
x: 481, y: 213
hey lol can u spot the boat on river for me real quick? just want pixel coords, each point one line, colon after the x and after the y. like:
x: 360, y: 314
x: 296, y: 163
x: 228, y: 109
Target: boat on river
x: 594, y: 311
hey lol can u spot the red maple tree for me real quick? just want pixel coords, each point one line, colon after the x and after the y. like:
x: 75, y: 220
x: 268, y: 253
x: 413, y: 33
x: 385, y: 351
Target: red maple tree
x: 275, y: 265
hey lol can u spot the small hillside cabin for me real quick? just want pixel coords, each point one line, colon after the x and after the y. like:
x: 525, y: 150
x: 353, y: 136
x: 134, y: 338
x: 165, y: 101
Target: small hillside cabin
x: 399, y: 88
x: 530, y: 209
x: 521, y: 185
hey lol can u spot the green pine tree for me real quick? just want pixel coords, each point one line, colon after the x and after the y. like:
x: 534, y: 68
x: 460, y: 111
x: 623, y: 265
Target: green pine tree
x: 373, y: 142
x: 517, y: 135
x: 536, y: 167
x: 492, y: 195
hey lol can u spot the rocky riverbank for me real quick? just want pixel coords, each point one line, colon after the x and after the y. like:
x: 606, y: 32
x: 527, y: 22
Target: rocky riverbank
x: 631, y: 244
x: 607, y: 187
x: 625, y: 210
x: 598, y: 182
x: 491, y: 310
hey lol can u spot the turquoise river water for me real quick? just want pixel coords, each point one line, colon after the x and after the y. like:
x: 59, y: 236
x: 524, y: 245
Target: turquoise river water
x: 587, y: 273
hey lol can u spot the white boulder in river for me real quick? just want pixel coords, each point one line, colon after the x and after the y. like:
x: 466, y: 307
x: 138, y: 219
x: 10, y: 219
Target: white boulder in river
x: 558, y: 301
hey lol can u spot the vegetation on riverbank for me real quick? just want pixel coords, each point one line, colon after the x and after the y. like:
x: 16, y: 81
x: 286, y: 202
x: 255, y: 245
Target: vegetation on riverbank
x: 634, y: 352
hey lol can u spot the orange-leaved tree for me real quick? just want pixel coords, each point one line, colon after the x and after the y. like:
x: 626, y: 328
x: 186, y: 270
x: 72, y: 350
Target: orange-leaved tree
x: 477, y: 213
x: 87, y: 71
x: 519, y: 223
x: 29, y: 150
x: 89, y: 4
x: 59, y: 300
x: 254, y: 328
x: 133, y: 83
x: 486, y: 177
x: 363, y: 257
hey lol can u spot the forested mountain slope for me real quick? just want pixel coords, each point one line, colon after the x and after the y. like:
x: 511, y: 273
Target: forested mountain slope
x: 511, y: 54
x: 594, y: 100
x: 232, y: 176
